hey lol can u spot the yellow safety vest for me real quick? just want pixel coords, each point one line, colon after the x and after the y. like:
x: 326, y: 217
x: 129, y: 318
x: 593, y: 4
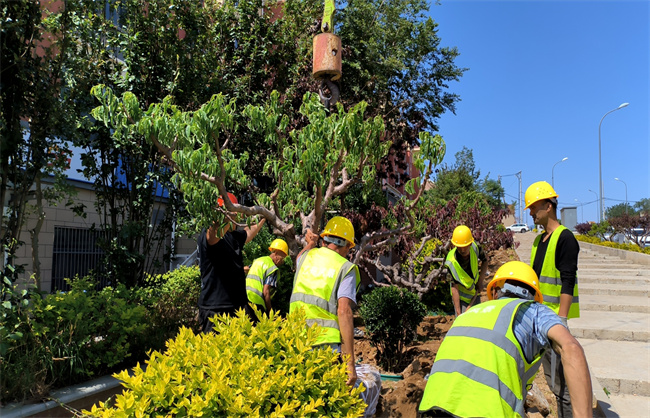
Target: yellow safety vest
x: 550, y: 282
x: 261, y: 268
x: 318, y: 276
x: 480, y: 368
x: 467, y: 285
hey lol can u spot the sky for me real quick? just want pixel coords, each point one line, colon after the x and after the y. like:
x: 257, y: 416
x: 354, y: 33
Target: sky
x: 541, y: 75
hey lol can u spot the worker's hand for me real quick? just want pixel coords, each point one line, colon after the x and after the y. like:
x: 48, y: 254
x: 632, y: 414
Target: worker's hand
x: 352, y: 375
x: 247, y: 269
x: 311, y: 238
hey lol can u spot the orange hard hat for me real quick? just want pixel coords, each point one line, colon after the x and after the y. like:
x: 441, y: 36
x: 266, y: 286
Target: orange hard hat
x: 232, y: 198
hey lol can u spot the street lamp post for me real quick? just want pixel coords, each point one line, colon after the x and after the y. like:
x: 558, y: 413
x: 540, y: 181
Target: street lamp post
x: 552, y: 177
x: 596, y: 199
x: 616, y: 178
x: 582, y: 209
x: 600, y: 164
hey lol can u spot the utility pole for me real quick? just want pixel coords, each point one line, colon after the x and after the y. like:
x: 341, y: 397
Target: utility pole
x: 521, y: 211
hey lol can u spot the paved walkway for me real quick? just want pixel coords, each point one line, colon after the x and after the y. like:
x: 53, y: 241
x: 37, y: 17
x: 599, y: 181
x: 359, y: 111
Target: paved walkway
x: 614, y: 326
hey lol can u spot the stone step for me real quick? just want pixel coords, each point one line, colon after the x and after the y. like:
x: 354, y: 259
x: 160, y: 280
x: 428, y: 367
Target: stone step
x: 611, y: 363
x: 597, y: 260
x: 613, y: 270
x: 618, y: 290
x: 617, y: 326
x: 638, y: 304
x: 614, y: 279
x: 630, y: 406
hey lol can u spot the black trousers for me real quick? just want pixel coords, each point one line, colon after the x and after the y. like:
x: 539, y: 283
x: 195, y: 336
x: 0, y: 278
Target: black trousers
x: 206, y: 314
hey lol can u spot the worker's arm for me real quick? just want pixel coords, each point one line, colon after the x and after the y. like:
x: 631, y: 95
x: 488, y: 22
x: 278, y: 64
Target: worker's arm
x: 566, y: 260
x: 213, y: 234
x: 576, y: 371
x: 455, y: 298
x: 251, y: 231
x: 346, y: 326
x: 266, y: 294
x: 312, y: 240
x: 482, y: 275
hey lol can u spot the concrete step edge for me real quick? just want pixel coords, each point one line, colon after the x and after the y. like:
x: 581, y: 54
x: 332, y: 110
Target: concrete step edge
x: 614, y: 292
x: 614, y: 308
x: 609, y: 334
x: 625, y: 386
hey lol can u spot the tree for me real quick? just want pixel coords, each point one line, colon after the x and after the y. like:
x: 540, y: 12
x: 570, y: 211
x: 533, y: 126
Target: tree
x: 619, y: 210
x: 312, y: 166
x: 643, y: 206
x: 635, y: 228
x: 463, y: 177
x: 33, y: 122
x: 191, y: 51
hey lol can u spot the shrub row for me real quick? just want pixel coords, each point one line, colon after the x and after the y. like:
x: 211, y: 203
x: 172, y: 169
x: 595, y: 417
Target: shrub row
x: 54, y: 340
x: 626, y: 247
x: 267, y: 370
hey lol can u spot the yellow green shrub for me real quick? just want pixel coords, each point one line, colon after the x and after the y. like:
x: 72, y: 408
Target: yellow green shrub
x: 241, y: 370
x: 626, y: 246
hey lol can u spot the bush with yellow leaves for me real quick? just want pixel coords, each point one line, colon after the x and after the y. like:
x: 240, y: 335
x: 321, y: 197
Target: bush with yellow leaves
x: 241, y: 370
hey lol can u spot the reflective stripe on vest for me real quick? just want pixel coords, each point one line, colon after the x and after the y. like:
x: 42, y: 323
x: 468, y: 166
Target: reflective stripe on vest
x: 467, y: 285
x: 550, y: 282
x: 260, y: 269
x: 480, y: 369
x: 318, y: 276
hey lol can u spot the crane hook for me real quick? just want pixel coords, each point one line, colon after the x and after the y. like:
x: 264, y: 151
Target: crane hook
x: 333, y: 90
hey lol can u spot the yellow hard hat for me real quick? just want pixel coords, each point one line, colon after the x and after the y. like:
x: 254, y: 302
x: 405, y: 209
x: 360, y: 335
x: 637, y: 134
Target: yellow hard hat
x: 279, y: 244
x: 519, y: 271
x: 462, y: 236
x: 539, y: 191
x: 340, y: 227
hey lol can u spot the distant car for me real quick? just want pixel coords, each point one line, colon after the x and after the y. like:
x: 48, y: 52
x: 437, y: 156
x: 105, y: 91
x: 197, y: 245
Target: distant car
x: 518, y: 228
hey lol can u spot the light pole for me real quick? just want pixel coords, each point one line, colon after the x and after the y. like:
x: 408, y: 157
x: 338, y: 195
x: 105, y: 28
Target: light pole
x: 616, y: 178
x: 600, y: 164
x: 582, y: 209
x: 552, y: 177
x: 596, y: 199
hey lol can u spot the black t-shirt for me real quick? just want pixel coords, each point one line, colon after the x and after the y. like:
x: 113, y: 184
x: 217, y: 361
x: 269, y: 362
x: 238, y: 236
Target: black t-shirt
x: 223, y: 281
x: 566, y: 259
x: 466, y: 262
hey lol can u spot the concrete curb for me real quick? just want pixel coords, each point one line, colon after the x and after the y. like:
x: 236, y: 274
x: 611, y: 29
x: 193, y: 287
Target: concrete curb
x: 63, y: 396
x: 604, y: 407
x: 633, y: 256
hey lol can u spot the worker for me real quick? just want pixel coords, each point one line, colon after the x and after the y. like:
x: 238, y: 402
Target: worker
x: 554, y: 258
x: 492, y: 352
x: 325, y: 286
x: 262, y: 279
x: 223, y: 281
x: 462, y: 262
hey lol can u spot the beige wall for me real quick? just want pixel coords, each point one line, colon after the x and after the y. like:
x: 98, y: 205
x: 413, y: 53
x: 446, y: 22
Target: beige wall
x: 62, y: 216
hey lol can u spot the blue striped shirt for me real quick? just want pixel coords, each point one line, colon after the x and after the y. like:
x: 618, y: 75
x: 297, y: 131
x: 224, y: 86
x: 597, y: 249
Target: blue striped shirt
x: 531, y: 326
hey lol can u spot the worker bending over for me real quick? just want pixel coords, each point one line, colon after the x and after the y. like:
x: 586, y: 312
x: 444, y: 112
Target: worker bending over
x: 493, y: 351
x: 262, y: 278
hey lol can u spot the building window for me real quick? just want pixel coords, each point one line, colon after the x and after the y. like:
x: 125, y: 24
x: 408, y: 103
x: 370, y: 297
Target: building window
x: 75, y: 252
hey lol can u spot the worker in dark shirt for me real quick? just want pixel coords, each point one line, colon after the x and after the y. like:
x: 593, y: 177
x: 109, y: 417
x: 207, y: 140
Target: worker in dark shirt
x: 223, y: 281
x: 554, y: 258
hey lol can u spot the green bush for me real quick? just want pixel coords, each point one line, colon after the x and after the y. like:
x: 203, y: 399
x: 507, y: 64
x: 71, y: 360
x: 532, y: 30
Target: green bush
x: 268, y: 370
x: 171, y: 303
x: 68, y: 337
x: 391, y: 316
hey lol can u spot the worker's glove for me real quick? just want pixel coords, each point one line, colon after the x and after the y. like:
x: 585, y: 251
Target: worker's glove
x: 565, y: 321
